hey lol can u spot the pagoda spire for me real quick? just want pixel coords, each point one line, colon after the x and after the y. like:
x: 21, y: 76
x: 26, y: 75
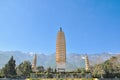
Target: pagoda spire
x: 60, y: 29
x: 34, y: 63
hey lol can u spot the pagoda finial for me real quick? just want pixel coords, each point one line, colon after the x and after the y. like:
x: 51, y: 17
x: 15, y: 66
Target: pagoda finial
x: 60, y: 29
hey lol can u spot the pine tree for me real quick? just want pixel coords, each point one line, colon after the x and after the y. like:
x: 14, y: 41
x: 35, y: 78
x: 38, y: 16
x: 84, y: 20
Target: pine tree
x: 9, y: 69
x: 25, y: 68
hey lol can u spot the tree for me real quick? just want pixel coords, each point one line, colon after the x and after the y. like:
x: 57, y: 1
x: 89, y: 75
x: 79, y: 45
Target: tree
x: 4, y: 71
x: 25, y: 68
x: 49, y: 70
x: 55, y: 70
x: 79, y: 70
x: 9, y: 69
x: 49, y: 75
x: 74, y: 75
x: 40, y: 69
x: 0, y: 74
x: 110, y: 68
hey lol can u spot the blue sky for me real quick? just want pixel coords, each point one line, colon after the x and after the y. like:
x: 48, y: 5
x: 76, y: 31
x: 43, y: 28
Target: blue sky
x: 90, y: 26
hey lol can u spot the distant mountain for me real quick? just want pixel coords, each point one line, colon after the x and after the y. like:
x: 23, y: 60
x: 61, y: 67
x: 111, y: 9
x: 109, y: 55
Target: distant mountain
x: 73, y: 60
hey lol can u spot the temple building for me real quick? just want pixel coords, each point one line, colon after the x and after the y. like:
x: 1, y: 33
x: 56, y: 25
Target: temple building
x: 60, y: 51
x: 34, y: 63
